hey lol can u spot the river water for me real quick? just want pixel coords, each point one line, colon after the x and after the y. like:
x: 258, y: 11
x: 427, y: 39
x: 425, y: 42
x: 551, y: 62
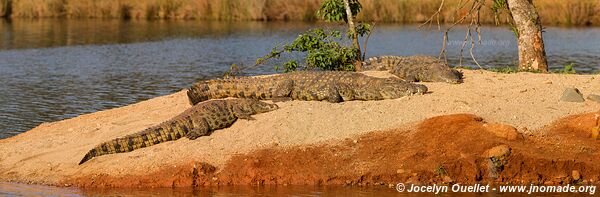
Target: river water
x: 57, y: 69
x: 16, y: 189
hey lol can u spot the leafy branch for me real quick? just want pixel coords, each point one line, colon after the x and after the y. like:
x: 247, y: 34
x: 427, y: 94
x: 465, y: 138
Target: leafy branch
x: 323, y: 52
x: 334, y: 10
x: 324, y: 49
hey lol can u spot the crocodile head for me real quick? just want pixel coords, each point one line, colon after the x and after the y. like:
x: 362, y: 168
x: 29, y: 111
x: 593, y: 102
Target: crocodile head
x: 256, y: 106
x: 447, y: 75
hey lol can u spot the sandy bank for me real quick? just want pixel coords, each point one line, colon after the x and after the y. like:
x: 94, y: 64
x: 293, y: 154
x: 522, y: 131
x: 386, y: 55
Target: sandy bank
x: 49, y: 153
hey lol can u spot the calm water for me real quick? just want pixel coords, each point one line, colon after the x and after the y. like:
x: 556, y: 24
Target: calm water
x: 56, y: 69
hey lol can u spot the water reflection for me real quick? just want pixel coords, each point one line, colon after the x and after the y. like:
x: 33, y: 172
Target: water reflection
x: 15, y: 189
x: 56, y: 69
x: 24, y: 33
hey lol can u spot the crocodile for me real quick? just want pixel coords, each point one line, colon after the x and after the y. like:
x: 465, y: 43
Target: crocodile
x: 199, y: 120
x: 415, y: 68
x: 331, y: 86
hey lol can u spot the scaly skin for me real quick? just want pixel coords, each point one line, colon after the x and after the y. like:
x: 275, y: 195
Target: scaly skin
x: 332, y: 86
x: 200, y: 120
x: 415, y: 68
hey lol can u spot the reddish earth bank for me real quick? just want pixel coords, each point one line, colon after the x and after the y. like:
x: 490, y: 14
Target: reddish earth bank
x: 460, y: 148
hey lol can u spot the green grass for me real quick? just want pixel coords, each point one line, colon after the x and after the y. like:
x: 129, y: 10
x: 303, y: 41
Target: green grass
x: 464, y: 67
x: 567, y: 69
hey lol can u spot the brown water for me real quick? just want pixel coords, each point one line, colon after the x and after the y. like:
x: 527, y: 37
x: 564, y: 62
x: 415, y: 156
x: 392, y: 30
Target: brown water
x: 14, y: 189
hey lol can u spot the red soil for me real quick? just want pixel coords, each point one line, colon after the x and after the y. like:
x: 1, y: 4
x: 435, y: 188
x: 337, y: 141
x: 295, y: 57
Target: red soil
x: 459, y: 148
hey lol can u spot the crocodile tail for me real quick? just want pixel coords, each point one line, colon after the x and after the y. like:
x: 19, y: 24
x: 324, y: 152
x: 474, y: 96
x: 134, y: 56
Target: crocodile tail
x: 148, y: 137
x: 242, y: 87
x: 91, y: 154
x: 381, y: 63
x: 198, y: 92
x: 214, y: 89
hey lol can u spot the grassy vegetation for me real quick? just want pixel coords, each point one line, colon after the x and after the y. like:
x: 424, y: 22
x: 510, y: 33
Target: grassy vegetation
x: 566, y: 69
x: 167, y: 9
x: 555, y: 12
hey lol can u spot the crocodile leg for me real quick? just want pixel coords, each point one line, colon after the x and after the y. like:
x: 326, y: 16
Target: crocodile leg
x: 330, y: 93
x: 283, y: 91
x: 241, y: 113
x: 201, y: 128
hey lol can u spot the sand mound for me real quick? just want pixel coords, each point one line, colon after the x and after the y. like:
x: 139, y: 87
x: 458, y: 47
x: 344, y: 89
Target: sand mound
x: 49, y: 153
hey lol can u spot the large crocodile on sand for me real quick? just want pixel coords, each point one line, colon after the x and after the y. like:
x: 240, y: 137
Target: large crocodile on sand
x: 332, y: 86
x: 415, y: 68
x: 199, y: 120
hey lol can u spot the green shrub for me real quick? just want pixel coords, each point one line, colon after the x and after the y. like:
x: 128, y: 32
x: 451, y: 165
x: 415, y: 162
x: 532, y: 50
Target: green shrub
x: 323, y: 51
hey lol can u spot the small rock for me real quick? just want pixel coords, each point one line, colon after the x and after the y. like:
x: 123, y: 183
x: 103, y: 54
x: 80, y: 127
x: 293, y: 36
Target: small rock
x: 576, y: 176
x: 447, y: 179
x: 548, y: 82
x: 504, y: 131
x: 501, y: 151
x: 400, y: 171
x: 594, y: 97
x: 572, y: 95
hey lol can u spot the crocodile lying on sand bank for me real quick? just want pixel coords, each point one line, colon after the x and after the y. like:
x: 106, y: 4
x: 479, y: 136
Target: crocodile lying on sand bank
x: 200, y: 120
x: 332, y: 86
x: 415, y: 68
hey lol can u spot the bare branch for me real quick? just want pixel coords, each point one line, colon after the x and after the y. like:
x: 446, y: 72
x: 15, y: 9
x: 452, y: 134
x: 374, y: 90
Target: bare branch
x: 474, y: 15
x: 437, y: 13
x: 448, y: 29
x: 462, y: 47
x: 367, y: 41
x: 443, y: 49
x: 471, y: 51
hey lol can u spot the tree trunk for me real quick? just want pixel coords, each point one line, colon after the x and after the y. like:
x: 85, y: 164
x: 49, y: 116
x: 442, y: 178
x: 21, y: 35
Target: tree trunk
x: 352, y: 30
x: 4, y: 5
x: 532, y: 55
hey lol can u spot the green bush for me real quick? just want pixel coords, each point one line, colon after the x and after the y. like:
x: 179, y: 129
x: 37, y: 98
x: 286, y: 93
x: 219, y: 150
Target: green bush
x: 322, y: 52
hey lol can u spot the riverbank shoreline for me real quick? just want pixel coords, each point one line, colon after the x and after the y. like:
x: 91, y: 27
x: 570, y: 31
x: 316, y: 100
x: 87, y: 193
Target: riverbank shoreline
x: 442, y: 136
x: 552, y: 12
